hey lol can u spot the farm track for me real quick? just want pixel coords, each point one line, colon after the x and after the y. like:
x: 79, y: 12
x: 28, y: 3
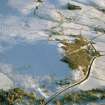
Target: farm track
x: 73, y: 85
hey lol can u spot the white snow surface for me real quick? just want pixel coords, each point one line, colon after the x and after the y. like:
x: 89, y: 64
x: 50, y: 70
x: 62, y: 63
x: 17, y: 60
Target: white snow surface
x: 32, y: 28
x: 5, y: 82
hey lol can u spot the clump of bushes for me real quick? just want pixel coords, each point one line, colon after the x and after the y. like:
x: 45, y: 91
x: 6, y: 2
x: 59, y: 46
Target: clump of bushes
x: 81, y: 97
x: 73, y: 7
x: 16, y: 96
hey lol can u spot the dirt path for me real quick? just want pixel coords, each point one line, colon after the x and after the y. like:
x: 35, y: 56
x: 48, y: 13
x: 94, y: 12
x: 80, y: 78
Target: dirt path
x: 73, y: 85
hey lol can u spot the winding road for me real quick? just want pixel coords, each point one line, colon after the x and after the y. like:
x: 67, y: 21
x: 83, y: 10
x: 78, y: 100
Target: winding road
x: 75, y: 84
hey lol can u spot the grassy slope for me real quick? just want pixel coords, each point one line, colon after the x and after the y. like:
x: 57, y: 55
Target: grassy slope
x: 79, y: 53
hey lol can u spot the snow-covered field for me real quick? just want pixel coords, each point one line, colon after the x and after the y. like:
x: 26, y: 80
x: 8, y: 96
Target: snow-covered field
x: 18, y: 22
x: 97, y: 76
x: 5, y: 82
